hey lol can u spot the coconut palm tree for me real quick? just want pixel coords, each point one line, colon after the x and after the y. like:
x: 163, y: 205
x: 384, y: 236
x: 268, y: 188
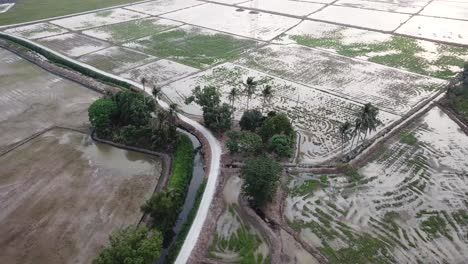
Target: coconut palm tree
x: 345, y: 130
x: 173, y: 108
x: 250, y: 87
x: 356, y: 133
x: 156, y: 92
x: 369, y: 120
x: 143, y: 82
x: 233, y: 96
x: 267, y: 93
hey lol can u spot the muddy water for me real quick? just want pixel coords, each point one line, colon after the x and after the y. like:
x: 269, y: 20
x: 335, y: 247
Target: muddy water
x: 61, y: 196
x: 404, y: 186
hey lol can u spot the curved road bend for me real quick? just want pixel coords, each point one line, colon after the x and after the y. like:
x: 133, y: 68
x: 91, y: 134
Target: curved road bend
x: 214, y: 163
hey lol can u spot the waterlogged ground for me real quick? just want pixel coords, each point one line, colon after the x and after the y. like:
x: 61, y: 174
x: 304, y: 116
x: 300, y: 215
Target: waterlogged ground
x: 315, y: 114
x: 235, y: 240
x: 419, y: 56
x: 62, y: 196
x: 407, y: 205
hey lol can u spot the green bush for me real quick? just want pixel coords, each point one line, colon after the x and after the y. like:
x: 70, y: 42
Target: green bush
x: 281, y: 145
x: 134, y: 108
x: 101, y: 114
x: 251, y: 120
x: 182, y: 165
x: 163, y: 207
x: 131, y: 245
x: 244, y: 142
x: 277, y: 125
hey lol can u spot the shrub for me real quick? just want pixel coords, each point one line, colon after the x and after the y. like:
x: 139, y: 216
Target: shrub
x: 101, y: 114
x: 131, y: 245
x: 164, y: 208
x: 134, y: 108
x: 277, y: 125
x: 281, y: 145
x: 244, y: 142
x: 261, y: 177
x: 251, y: 120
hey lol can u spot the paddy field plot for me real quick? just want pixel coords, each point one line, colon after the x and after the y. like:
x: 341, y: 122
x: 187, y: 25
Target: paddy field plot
x: 159, y: 73
x: 235, y: 239
x: 447, y: 9
x: 372, y: 19
x: 73, y: 44
x: 36, y: 31
x: 315, y: 114
x: 62, y: 196
x: 389, y: 6
x: 98, y: 19
x: 32, y: 99
x: 407, y: 205
x: 295, y: 8
x: 193, y: 46
x: 238, y: 21
x: 389, y: 89
x: 159, y: 7
x: 418, y: 56
x: 126, y: 31
x: 438, y: 29
x: 116, y: 59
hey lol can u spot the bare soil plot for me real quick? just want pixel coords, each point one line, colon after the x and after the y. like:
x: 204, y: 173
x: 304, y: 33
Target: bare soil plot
x: 193, y: 46
x: 98, y: 19
x: 440, y: 29
x: 419, y: 56
x: 126, y: 31
x: 390, y: 6
x: 372, y: 19
x: 116, y: 59
x: 295, y: 8
x: 315, y: 114
x: 36, y: 31
x: 447, y: 9
x: 159, y: 7
x: 32, y: 99
x: 159, y: 73
x: 73, y: 44
x: 389, y: 89
x: 408, y: 205
x: 252, y: 24
x: 62, y: 195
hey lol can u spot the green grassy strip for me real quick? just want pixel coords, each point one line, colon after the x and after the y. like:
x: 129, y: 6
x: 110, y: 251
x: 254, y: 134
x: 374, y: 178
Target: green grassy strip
x: 182, y: 166
x: 174, y: 251
x: 66, y: 63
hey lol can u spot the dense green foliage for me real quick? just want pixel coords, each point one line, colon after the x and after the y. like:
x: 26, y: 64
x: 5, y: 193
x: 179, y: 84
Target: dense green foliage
x: 261, y: 177
x: 132, y: 245
x: 68, y: 64
x: 458, y: 96
x: 129, y: 118
x: 281, y: 145
x: 277, y: 125
x: 101, y: 114
x: 244, y: 142
x: 164, y: 207
x: 217, y: 116
x: 251, y: 120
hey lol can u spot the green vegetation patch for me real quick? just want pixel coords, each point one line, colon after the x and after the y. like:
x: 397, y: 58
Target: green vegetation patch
x: 399, y: 52
x: 434, y: 225
x: 193, y: 47
x: 407, y: 137
x: 30, y: 10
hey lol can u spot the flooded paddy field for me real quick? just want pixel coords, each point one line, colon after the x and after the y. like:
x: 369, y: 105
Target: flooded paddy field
x: 418, y: 56
x: 73, y: 44
x: 314, y: 113
x: 407, y: 205
x: 62, y: 195
x: 389, y: 89
x: 36, y: 31
x: 32, y: 99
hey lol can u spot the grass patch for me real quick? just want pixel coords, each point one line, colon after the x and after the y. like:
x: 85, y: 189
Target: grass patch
x: 461, y: 217
x: 434, y: 225
x: 408, y: 138
x: 182, y: 165
x: 30, y: 10
x: 193, y: 47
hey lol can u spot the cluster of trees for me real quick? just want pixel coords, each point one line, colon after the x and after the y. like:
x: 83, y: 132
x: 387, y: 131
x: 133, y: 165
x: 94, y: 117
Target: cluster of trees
x: 134, y: 119
x: 365, y: 123
x: 274, y: 133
